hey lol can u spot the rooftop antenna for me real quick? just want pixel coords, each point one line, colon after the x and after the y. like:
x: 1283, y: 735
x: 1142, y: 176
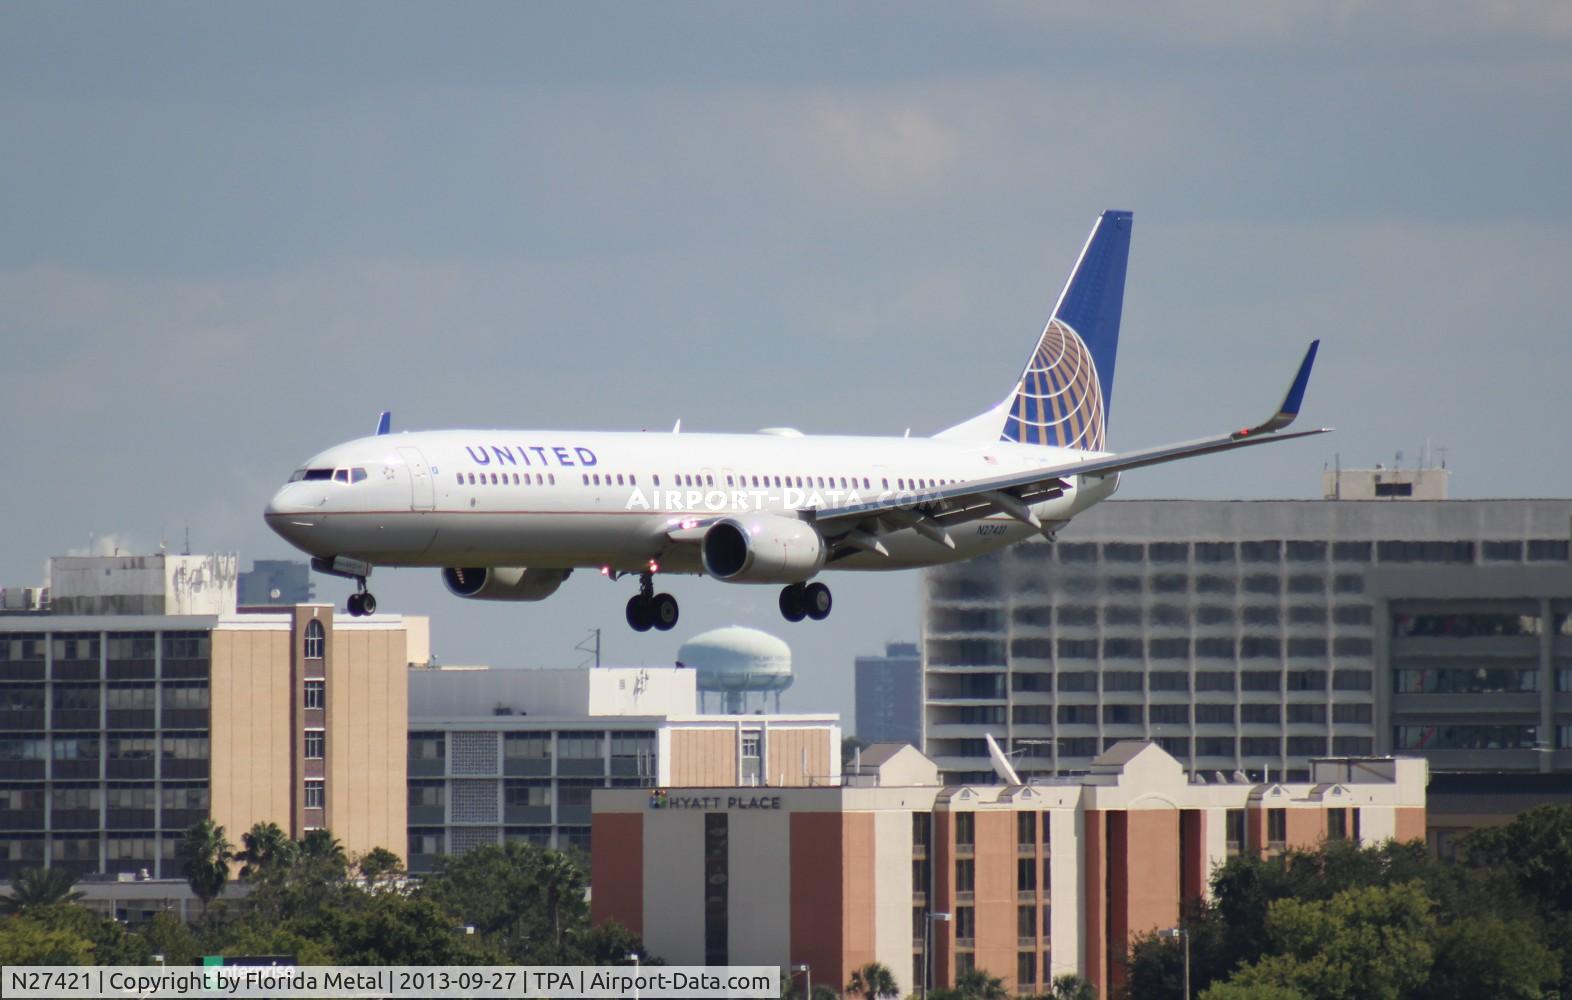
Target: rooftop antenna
x: 1001, y: 763
x: 187, y: 550
x: 590, y: 644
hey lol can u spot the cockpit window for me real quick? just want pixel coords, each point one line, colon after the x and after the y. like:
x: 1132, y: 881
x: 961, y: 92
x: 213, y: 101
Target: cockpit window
x: 341, y: 476
x: 314, y: 475
x: 357, y: 475
x: 297, y: 475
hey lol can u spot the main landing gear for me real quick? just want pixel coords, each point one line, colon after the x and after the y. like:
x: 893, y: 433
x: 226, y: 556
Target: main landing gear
x: 362, y: 602
x: 800, y: 601
x: 647, y: 609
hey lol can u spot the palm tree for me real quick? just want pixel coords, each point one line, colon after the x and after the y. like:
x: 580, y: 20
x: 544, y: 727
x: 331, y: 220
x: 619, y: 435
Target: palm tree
x: 873, y: 981
x: 1069, y: 986
x: 379, y: 864
x: 205, y: 854
x: 561, y: 880
x: 978, y: 984
x: 35, y: 888
x: 267, y: 848
x: 321, y: 845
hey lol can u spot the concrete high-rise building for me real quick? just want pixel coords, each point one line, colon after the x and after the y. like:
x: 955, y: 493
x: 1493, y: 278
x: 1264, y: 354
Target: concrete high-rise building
x: 139, y: 702
x: 275, y: 582
x: 1037, y: 880
x: 505, y: 754
x: 1255, y: 635
x: 889, y: 695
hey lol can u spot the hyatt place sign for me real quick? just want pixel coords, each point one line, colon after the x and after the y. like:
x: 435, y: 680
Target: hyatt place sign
x: 660, y: 798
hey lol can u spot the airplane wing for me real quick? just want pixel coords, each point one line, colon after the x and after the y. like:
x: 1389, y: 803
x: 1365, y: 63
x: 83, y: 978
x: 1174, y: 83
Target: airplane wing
x: 856, y: 526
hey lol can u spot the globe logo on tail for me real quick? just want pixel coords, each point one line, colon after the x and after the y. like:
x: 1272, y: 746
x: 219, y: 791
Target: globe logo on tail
x: 1059, y: 401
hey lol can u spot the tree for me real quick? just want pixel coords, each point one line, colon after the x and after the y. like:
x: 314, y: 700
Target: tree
x: 168, y: 935
x: 267, y: 848
x: 1536, y: 849
x: 205, y: 855
x: 24, y: 941
x: 35, y: 888
x: 873, y: 981
x: 321, y: 845
x: 1371, y: 943
x: 1485, y: 956
x: 379, y: 864
x: 979, y: 984
x: 1072, y: 987
x: 529, y: 898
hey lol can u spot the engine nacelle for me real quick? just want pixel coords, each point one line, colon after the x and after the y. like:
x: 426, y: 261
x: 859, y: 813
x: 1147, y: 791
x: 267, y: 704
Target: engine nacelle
x: 764, y: 548
x: 503, y: 583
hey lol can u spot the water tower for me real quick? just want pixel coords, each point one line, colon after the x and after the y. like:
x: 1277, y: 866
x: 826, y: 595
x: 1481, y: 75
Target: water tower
x: 742, y: 665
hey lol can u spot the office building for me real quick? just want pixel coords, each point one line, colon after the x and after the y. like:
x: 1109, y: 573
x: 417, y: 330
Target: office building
x: 1255, y: 635
x: 889, y: 695
x: 503, y: 754
x: 136, y: 702
x: 1037, y: 880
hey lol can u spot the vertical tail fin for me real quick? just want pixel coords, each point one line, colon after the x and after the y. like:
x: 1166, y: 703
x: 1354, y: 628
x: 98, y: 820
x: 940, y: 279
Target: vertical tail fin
x: 1062, y: 397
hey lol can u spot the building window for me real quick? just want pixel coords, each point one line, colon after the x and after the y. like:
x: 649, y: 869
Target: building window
x: 316, y: 694
x: 316, y: 640
x: 314, y: 794
x: 1234, y: 830
x: 965, y: 924
x: 965, y: 829
x: 1026, y: 875
x: 1276, y: 827
x: 1025, y: 829
x: 316, y: 743
x: 965, y: 878
x: 1025, y: 970
x: 750, y: 746
x: 1337, y: 824
x: 1047, y: 828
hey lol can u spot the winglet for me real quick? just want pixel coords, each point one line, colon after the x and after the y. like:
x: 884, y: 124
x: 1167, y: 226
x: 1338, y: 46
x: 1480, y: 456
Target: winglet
x: 1296, y: 394
x: 384, y: 422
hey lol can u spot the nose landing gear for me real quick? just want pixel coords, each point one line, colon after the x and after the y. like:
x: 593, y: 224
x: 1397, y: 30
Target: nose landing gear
x: 647, y: 609
x: 800, y: 601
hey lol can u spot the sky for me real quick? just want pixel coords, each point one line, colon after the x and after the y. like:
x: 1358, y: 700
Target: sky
x: 231, y: 234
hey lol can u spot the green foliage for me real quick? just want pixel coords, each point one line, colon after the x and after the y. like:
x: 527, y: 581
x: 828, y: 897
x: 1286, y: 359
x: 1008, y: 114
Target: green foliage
x: 26, y: 941
x: 267, y: 848
x: 1071, y: 987
x: 1381, y: 922
x: 204, y: 856
x: 1535, y: 851
x: 34, y: 888
x: 110, y: 943
x: 167, y: 935
x: 974, y: 984
x: 379, y: 865
x: 873, y: 981
x: 528, y: 900
x: 1490, y: 957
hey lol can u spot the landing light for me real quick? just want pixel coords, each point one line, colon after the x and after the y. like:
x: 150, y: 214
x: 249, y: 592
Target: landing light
x: 605, y: 571
x: 654, y: 566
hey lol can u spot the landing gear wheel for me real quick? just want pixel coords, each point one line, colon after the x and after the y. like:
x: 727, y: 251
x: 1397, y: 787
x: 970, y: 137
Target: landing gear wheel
x: 663, y: 611
x: 816, y: 601
x: 792, y: 608
x: 368, y: 604
x: 353, y: 605
x: 640, y: 616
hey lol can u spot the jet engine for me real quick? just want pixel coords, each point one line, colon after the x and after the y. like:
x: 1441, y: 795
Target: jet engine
x: 503, y: 583
x: 765, y: 548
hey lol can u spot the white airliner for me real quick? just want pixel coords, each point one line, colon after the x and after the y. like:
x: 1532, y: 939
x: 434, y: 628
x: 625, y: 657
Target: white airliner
x: 508, y: 515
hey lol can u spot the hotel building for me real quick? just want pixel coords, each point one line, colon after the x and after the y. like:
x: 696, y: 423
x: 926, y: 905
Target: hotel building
x: 1035, y: 881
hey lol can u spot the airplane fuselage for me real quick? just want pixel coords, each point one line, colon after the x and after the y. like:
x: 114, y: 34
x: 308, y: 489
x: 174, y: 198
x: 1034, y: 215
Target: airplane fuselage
x: 563, y: 499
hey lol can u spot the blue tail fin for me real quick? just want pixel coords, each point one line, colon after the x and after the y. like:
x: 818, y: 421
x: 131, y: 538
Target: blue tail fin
x: 1063, y: 396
